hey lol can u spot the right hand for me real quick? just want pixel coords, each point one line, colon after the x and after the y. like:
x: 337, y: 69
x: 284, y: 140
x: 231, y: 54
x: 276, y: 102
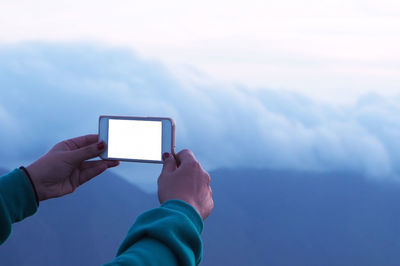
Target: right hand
x: 188, y: 182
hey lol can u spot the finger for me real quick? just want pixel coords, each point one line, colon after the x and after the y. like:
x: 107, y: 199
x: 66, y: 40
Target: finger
x: 92, y: 169
x: 82, y: 141
x: 90, y: 164
x: 186, y: 157
x: 169, y: 163
x: 208, y: 179
x: 178, y: 162
x: 87, y: 152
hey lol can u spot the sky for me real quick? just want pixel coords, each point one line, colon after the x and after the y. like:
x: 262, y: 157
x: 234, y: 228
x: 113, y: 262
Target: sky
x: 283, y: 85
x: 331, y: 51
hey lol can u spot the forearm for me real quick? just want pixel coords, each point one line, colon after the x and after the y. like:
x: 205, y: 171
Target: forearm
x: 17, y: 201
x: 168, y: 235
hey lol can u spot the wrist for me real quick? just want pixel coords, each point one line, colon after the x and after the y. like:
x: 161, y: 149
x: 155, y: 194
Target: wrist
x: 36, y: 176
x: 191, y: 202
x: 28, y: 176
x: 188, y: 210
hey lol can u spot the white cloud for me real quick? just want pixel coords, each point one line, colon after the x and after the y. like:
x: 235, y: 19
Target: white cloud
x: 53, y: 92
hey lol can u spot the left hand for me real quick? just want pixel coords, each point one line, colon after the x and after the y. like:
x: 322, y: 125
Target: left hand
x: 64, y: 167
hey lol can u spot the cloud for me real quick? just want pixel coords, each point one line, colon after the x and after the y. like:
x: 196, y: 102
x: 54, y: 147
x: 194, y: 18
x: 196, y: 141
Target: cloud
x: 50, y: 92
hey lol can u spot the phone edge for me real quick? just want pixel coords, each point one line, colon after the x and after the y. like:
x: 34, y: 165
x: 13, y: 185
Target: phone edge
x: 173, y: 136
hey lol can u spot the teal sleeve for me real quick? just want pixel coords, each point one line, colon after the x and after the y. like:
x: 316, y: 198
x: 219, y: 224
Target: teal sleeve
x: 17, y: 201
x: 168, y: 235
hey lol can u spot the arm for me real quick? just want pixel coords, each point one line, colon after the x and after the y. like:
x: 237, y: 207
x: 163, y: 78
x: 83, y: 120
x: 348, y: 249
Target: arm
x: 17, y: 201
x: 170, y: 234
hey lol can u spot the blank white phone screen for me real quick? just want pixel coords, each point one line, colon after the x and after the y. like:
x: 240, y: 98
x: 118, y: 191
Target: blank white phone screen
x: 134, y: 139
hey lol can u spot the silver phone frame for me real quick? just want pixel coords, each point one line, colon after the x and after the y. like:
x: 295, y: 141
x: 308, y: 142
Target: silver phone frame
x: 165, y: 147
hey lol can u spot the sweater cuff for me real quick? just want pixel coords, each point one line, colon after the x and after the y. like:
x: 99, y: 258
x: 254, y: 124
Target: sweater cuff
x: 186, y: 209
x: 18, y: 195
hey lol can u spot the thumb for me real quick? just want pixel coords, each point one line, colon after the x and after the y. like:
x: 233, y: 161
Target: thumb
x: 169, y: 163
x: 87, y: 152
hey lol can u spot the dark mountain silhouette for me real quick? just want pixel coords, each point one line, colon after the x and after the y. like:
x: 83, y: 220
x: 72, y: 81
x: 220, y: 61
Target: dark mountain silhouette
x: 299, y: 218
x: 261, y: 217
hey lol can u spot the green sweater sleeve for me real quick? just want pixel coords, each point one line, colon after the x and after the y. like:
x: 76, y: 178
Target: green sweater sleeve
x: 17, y: 201
x: 168, y: 235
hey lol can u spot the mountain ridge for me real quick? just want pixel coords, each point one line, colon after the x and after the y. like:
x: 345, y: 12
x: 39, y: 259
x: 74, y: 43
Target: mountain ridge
x: 261, y: 217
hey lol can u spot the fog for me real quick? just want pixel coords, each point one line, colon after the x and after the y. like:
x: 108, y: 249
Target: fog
x: 53, y: 91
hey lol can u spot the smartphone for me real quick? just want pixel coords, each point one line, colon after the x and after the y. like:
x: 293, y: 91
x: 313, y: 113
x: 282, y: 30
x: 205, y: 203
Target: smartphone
x: 136, y: 139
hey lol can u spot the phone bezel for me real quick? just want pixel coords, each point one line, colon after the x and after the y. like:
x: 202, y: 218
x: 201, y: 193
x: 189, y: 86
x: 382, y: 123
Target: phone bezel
x: 167, y: 141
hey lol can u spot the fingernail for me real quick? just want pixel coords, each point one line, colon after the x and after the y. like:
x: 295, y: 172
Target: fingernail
x: 100, y: 145
x: 165, y: 155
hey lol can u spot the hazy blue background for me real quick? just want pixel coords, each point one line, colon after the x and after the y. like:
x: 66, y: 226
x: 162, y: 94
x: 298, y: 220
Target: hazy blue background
x: 284, y: 85
x: 293, y: 108
x: 51, y: 92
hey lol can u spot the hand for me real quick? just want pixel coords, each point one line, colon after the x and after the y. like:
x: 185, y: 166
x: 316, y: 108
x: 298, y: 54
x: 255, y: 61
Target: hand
x: 64, y: 167
x: 188, y: 182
